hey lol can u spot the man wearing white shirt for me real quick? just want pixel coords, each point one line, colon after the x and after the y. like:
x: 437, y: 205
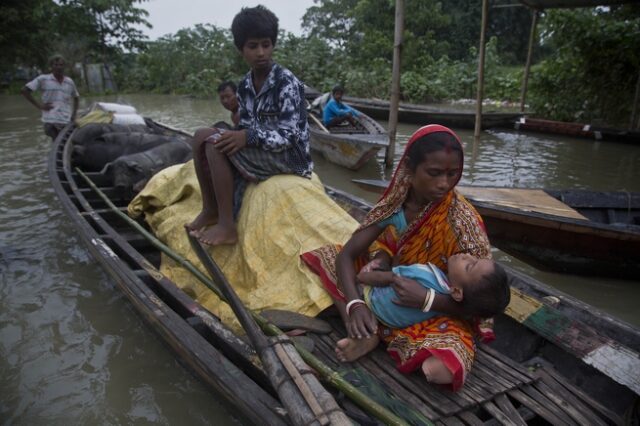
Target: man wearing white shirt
x: 59, y: 99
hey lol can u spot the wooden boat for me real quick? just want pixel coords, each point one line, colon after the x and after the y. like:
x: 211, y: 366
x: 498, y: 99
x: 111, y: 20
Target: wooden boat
x: 425, y: 114
x: 578, y: 130
x: 347, y: 145
x: 548, y: 342
x: 574, y: 231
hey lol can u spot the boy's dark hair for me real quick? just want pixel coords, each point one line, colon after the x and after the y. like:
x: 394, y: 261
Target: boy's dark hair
x: 337, y: 88
x: 254, y: 22
x: 433, y: 142
x: 225, y: 84
x: 490, y: 296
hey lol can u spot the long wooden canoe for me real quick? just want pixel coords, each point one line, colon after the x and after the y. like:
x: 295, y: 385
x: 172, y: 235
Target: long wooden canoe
x: 578, y: 130
x: 426, y: 114
x: 346, y: 145
x: 556, y: 360
x: 574, y: 231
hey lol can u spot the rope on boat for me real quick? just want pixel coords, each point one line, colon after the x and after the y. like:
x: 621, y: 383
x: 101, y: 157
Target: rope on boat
x: 329, y: 375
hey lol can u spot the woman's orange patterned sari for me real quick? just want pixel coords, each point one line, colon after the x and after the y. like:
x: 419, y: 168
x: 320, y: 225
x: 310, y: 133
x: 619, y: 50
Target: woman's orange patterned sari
x: 444, y: 228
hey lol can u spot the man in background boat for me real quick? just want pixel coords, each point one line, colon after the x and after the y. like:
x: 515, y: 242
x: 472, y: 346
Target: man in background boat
x: 59, y: 98
x: 227, y: 94
x: 335, y: 112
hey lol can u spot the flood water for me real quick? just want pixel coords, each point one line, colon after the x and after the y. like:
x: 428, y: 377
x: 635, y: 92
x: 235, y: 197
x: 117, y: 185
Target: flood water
x: 73, y: 350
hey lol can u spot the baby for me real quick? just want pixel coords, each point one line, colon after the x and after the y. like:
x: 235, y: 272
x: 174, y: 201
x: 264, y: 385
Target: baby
x: 480, y: 285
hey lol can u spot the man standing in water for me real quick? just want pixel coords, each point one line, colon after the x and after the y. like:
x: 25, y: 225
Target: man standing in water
x: 59, y: 102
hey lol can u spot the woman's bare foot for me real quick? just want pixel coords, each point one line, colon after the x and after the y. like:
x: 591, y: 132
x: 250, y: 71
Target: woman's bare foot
x: 202, y: 220
x: 219, y: 235
x: 348, y: 349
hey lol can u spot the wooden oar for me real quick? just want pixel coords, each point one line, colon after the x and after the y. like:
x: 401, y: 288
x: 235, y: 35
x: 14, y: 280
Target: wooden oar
x: 303, y: 407
x: 318, y: 122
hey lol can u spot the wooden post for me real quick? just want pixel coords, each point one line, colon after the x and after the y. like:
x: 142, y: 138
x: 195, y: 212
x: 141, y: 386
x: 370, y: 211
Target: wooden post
x: 525, y: 77
x: 395, y: 83
x: 483, y: 30
x: 634, y: 123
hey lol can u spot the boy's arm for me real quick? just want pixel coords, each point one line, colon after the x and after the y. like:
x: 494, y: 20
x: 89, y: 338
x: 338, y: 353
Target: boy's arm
x: 292, y: 111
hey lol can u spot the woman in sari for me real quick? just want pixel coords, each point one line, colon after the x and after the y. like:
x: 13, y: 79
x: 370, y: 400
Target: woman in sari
x: 419, y: 219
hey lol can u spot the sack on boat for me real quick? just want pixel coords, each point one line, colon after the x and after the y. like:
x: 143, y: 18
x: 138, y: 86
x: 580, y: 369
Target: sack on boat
x: 129, y: 173
x: 91, y: 131
x: 115, y: 108
x: 95, y: 155
x: 280, y: 218
x: 128, y: 119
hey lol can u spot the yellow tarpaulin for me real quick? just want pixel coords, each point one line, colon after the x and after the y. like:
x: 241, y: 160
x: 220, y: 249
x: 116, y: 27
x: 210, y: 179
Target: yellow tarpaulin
x: 279, y: 219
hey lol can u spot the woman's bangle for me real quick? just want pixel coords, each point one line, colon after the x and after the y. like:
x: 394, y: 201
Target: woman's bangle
x: 353, y: 303
x: 428, y: 300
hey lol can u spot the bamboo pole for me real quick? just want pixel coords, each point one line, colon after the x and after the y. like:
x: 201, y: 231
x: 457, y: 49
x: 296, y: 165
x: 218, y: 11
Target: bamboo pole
x: 329, y: 375
x: 302, y: 403
x: 481, y: 54
x: 634, y: 122
x: 525, y: 77
x: 395, y: 83
x: 318, y: 122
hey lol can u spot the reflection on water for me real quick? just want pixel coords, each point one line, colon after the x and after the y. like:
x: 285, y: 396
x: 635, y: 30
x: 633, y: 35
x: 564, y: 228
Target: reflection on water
x: 73, y: 350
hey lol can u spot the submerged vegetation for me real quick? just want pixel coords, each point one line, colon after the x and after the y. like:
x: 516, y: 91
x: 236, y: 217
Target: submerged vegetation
x: 586, y: 64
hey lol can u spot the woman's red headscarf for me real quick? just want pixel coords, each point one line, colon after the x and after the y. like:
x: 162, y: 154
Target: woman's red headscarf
x: 398, y: 188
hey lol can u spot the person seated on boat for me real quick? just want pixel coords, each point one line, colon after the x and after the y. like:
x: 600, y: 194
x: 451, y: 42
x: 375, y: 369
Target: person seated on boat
x: 419, y: 219
x: 272, y: 136
x: 480, y: 285
x: 336, y: 112
x: 227, y: 94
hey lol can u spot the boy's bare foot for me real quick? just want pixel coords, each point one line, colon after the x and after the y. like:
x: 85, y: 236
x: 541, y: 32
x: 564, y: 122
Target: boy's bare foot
x: 219, y: 235
x: 202, y: 220
x: 348, y: 349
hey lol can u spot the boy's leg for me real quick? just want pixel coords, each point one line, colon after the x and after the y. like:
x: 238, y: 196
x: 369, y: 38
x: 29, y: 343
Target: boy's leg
x: 208, y: 214
x: 223, y: 232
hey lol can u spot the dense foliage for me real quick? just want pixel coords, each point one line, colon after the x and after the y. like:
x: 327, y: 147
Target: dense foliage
x: 593, y: 68
x: 586, y: 63
x: 82, y: 30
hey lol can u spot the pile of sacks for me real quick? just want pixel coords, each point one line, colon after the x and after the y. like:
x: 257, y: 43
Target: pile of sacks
x: 129, y: 153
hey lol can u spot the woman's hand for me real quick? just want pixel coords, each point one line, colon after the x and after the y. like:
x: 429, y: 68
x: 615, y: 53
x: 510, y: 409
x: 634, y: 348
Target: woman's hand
x: 231, y: 141
x: 362, y: 323
x: 410, y: 293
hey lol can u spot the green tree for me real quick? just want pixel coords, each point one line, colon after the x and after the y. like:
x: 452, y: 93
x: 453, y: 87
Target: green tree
x: 25, y: 37
x: 593, y: 67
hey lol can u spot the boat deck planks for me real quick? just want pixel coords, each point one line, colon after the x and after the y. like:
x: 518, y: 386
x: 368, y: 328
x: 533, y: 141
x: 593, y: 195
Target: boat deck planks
x: 535, y: 200
x: 497, y: 388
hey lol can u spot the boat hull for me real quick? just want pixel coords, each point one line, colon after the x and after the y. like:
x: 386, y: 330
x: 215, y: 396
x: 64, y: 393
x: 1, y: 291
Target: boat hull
x: 498, y: 387
x: 346, y: 146
x: 423, y: 115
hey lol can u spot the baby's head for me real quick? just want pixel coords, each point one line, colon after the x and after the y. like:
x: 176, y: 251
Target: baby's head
x: 480, y: 284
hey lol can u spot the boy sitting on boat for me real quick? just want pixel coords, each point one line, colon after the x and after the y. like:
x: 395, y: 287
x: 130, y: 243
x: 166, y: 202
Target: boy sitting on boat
x: 480, y: 285
x: 272, y: 136
x: 336, y: 112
